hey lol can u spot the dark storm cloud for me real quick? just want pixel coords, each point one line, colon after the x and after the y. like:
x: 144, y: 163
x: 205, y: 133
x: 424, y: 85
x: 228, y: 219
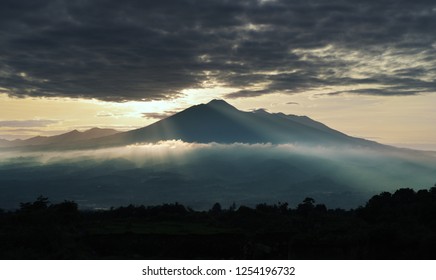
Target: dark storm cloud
x: 143, y: 50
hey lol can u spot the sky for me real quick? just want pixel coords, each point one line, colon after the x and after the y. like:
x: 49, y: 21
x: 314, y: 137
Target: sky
x: 366, y: 68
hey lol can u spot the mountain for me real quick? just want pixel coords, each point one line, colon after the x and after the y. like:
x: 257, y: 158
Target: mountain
x: 218, y: 121
x: 62, y: 139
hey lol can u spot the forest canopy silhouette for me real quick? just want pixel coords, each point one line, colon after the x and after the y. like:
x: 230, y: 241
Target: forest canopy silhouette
x: 397, y: 225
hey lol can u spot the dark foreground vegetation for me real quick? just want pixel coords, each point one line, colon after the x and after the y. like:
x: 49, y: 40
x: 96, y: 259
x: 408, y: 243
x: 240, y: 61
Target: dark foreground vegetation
x: 401, y: 225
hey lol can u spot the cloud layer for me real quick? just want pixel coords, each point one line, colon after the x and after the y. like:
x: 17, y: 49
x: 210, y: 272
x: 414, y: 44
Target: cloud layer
x: 143, y: 50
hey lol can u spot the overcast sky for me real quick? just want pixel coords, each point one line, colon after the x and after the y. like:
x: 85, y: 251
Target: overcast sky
x: 360, y: 66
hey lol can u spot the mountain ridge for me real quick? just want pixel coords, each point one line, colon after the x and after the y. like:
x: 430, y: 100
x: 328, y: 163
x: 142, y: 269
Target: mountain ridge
x: 68, y: 137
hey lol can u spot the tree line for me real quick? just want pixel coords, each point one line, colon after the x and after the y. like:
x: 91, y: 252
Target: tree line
x: 397, y: 225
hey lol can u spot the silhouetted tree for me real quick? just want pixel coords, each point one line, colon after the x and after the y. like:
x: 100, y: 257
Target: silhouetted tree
x: 66, y: 211
x: 321, y: 208
x: 306, y: 206
x: 40, y: 204
x: 263, y: 207
x: 65, y: 207
x: 403, y: 196
x: 216, y: 208
x: 283, y: 207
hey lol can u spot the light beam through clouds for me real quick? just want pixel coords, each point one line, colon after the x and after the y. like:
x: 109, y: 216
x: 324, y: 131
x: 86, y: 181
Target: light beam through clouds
x: 199, y: 175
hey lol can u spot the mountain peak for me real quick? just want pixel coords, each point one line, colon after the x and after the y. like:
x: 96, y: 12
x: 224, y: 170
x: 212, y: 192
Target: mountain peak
x: 219, y: 102
x: 220, y: 105
x: 94, y: 129
x: 97, y: 130
x: 261, y: 111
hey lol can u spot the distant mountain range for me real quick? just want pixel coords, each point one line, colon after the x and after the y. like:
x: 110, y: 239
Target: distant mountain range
x: 62, y: 139
x: 216, y: 121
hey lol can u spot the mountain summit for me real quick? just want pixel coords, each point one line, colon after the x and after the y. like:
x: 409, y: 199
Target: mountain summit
x: 219, y: 104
